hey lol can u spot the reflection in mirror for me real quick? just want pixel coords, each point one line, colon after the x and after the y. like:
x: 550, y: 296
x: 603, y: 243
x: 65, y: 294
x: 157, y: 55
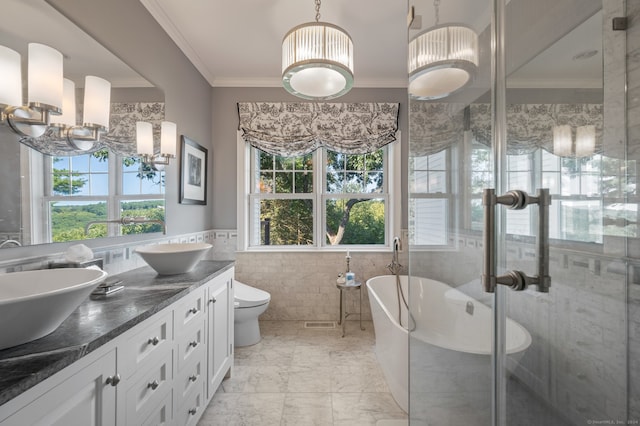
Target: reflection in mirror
x: 53, y: 192
x: 556, y: 137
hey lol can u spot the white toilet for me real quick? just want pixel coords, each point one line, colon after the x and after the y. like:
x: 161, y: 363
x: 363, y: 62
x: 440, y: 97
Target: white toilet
x: 249, y: 303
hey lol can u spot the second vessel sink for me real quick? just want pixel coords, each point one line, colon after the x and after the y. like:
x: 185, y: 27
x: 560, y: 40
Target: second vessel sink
x: 35, y: 303
x: 173, y: 259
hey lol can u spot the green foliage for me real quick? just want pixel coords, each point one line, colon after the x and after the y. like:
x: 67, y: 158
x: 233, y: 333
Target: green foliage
x: 68, y: 221
x: 67, y: 184
x: 290, y: 221
x: 349, y: 220
x: 152, y: 209
x: 366, y: 221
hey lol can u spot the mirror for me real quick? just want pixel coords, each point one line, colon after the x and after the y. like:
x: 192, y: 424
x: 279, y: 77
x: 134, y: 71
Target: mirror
x: 51, y: 192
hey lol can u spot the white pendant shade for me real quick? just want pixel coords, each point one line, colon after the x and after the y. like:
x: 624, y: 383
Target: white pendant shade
x: 144, y: 138
x: 317, y: 61
x: 562, y: 142
x: 442, y: 60
x: 11, y: 81
x: 97, y: 102
x: 45, y: 77
x: 585, y: 141
x: 168, y: 137
x: 68, y: 116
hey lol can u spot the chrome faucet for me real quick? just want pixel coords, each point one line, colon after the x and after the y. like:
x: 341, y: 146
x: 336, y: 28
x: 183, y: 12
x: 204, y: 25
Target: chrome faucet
x: 395, y: 265
x: 7, y: 242
x: 127, y: 221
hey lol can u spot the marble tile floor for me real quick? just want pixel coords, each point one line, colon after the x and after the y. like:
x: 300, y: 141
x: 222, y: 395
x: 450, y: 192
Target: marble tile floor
x: 303, y: 376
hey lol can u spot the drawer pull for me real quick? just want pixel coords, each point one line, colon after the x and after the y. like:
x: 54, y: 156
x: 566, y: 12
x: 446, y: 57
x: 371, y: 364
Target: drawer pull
x: 154, y: 341
x: 194, y: 343
x: 113, y: 380
x: 193, y: 378
x: 153, y: 385
x: 193, y: 310
x: 212, y: 300
x: 193, y: 411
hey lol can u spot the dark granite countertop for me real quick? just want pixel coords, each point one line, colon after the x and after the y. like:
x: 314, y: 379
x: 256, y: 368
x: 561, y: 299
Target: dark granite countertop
x: 97, y: 321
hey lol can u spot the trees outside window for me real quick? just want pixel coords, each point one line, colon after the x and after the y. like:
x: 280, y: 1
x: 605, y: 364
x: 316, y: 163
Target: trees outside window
x: 320, y: 199
x: 93, y: 187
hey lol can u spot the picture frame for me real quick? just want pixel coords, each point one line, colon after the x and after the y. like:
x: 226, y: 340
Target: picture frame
x: 193, y: 172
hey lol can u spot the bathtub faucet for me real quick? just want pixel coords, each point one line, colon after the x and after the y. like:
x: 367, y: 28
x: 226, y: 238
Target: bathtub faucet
x: 395, y: 265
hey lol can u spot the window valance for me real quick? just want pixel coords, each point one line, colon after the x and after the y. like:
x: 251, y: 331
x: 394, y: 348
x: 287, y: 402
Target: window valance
x: 436, y: 126
x: 297, y: 128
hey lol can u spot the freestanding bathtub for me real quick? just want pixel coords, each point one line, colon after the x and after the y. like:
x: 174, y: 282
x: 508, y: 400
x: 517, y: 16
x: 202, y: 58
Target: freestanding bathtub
x: 450, y: 346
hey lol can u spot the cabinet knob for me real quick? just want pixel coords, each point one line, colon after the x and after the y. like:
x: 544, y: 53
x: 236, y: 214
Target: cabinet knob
x: 113, y: 380
x: 193, y: 310
x: 193, y: 378
x: 193, y: 411
x: 212, y: 300
x: 194, y: 343
x: 153, y: 385
x: 154, y: 341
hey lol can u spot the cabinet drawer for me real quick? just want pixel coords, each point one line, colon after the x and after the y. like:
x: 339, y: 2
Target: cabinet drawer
x: 147, y: 346
x: 148, y: 389
x: 189, y: 379
x: 190, y: 345
x: 162, y: 414
x: 192, y: 407
x: 189, y: 311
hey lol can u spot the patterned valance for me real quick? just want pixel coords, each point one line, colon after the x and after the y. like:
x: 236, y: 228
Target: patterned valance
x: 530, y: 126
x: 436, y: 126
x: 121, y: 138
x: 296, y: 128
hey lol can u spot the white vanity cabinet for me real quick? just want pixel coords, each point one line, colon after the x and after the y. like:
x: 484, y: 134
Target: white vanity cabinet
x: 164, y: 370
x: 219, y: 330
x: 84, y: 394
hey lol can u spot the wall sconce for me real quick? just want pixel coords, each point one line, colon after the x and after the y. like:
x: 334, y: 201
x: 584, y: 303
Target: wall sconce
x: 144, y: 143
x: 51, y: 98
x: 585, y: 144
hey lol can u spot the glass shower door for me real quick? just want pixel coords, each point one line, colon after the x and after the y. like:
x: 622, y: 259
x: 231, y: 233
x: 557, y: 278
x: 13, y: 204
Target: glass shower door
x: 564, y: 109
x: 551, y: 114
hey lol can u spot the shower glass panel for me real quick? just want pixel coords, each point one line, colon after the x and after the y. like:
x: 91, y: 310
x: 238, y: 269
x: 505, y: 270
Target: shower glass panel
x: 553, y: 114
x: 450, y: 378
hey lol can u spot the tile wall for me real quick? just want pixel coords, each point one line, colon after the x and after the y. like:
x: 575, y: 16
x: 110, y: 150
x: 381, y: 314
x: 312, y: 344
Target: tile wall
x: 303, y: 285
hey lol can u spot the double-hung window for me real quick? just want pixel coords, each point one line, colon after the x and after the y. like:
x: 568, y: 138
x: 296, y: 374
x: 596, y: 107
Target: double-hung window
x: 323, y: 199
x: 82, y: 192
x: 431, y: 204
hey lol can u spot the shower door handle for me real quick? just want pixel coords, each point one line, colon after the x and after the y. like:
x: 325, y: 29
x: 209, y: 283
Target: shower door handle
x: 516, y: 280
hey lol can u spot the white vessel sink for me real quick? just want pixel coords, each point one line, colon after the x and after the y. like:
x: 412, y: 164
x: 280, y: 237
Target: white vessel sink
x: 35, y: 303
x: 172, y: 259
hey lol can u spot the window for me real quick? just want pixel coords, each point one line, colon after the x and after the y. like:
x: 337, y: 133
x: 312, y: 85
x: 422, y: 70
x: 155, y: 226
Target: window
x: 320, y: 200
x: 590, y: 195
x: 94, y: 187
x: 430, y: 206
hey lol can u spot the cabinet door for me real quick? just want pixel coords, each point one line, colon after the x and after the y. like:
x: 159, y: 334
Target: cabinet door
x: 84, y: 399
x: 219, y: 345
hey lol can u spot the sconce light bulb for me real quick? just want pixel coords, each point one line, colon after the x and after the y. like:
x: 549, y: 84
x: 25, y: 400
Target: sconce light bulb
x: 68, y: 116
x: 168, y: 137
x: 45, y: 77
x: 11, y: 81
x: 144, y: 138
x: 97, y: 102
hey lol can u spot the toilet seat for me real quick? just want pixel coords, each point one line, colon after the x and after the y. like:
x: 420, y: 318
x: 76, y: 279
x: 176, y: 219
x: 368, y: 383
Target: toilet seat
x: 249, y: 297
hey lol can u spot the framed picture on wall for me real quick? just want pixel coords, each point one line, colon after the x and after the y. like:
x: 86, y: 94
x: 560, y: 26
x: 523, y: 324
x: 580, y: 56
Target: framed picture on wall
x: 193, y: 172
